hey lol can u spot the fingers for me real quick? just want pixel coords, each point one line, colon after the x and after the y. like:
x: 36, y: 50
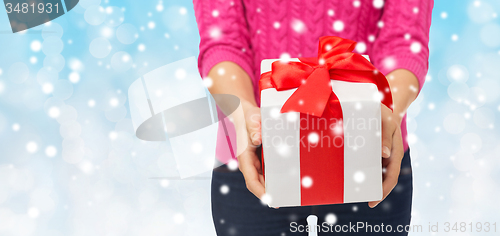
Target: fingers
x: 397, y: 145
x: 388, y: 128
x: 249, y: 165
x: 254, y: 125
x: 393, y: 167
x: 390, y: 180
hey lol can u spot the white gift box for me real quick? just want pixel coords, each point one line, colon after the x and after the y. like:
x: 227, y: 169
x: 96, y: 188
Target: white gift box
x: 362, y: 167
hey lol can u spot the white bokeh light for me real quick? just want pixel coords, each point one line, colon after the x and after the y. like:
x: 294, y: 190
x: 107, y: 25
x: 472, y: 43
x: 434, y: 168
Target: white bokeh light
x: 47, y: 88
x: 179, y: 218
x: 307, y: 182
x: 208, y: 82
x: 215, y: 33
x: 266, y: 199
x: 151, y: 25
x: 232, y: 165
x: 338, y: 25
x: 359, y: 177
x: 224, y: 189
x: 50, y: 151
x: 16, y: 127
x: 91, y: 103
x: 361, y: 47
x: 32, y: 147
x: 331, y: 218
x: 74, y: 77
x: 33, y: 60
x: 180, y: 74
x: 36, y: 46
x: 415, y: 47
x: 54, y: 112
x: 276, y: 25
x: 378, y: 3
x: 197, y: 148
x: 298, y: 26
x: 313, y: 137
x: 457, y: 73
x: 33, y: 212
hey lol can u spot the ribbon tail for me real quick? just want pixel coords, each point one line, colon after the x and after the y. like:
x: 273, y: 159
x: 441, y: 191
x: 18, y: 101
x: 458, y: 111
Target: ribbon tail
x: 385, y: 90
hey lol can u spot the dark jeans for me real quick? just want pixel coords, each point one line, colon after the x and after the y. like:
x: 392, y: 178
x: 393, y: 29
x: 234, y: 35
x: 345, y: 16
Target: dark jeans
x: 239, y: 212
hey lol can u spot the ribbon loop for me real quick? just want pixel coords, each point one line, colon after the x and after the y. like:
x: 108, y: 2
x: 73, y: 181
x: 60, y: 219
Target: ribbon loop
x: 312, y: 96
x: 311, y: 76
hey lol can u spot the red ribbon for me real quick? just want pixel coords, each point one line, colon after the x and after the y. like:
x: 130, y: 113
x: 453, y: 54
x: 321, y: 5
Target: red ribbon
x: 312, y: 76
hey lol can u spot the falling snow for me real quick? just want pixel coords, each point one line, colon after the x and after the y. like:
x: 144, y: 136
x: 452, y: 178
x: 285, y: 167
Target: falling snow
x: 451, y: 129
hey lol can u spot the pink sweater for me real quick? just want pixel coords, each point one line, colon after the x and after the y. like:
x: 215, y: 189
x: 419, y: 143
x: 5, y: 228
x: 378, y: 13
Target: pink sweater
x: 394, y: 33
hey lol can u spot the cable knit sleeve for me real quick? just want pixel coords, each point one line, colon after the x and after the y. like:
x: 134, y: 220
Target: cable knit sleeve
x: 403, y: 40
x: 224, y: 34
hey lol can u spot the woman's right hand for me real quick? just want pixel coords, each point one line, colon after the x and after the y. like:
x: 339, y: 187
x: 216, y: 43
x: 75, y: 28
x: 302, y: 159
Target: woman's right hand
x: 249, y: 163
x: 229, y: 78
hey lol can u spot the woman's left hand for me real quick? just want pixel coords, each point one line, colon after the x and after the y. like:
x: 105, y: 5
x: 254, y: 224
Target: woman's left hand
x: 392, y: 151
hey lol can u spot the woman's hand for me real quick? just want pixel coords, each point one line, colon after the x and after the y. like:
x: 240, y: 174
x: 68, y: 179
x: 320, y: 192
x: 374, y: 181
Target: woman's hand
x: 249, y: 163
x: 229, y: 78
x: 404, y: 87
x: 392, y: 151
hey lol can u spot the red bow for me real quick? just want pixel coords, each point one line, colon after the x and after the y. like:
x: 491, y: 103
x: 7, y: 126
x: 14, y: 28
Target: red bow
x: 312, y: 76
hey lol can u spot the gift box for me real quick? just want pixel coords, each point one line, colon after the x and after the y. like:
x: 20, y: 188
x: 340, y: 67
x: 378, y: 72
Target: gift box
x: 321, y: 127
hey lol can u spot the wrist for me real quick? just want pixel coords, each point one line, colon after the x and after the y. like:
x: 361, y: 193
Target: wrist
x: 392, y: 115
x: 398, y: 116
x: 247, y: 104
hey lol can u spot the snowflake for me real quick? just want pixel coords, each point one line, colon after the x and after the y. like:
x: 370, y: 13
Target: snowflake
x: 266, y: 199
x: 361, y: 47
x: 215, y: 13
x: 215, y: 33
x: 31, y: 147
x: 276, y: 25
x: 338, y: 25
x: 331, y: 218
x: 378, y: 3
x: 359, y: 177
x: 415, y: 47
x: 224, y: 189
x: 307, y: 182
x: 371, y: 38
x: 298, y: 26
x: 313, y: 137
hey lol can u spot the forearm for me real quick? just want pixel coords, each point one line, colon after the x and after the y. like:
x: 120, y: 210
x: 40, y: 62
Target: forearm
x: 404, y: 87
x: 229, y: 78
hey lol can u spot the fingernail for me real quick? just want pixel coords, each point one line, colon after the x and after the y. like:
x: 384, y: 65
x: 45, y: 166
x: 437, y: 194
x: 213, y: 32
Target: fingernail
x: 386, y: 151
